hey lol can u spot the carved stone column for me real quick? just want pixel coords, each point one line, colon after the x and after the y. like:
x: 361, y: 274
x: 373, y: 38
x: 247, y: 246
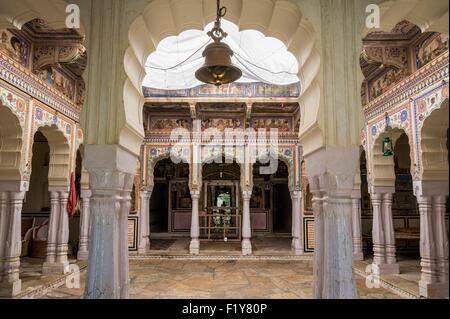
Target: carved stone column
x: 318, y: 208
x: 63, y: 231
x: 194, y: 247
x: 333, y: 181
x: 109, y: 178
x: 83, y: 250
x: 246, y: 224
x: 389, y: 233
x: 441, y: 235
x: 144, y: 222
x: 125, y: 206
x: 433, y: 238
x: 10, y: 237
x: 297, y: 246
x: 58, y: 232
x: 383, y: 235
x: 356, y: 227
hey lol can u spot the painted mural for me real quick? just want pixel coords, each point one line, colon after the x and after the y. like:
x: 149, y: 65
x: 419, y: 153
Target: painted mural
x: 15, y: 47
x: 282, y: 124
x: 230, y: 90
x: 15, y: 103
x: 58, y: 79
x: 430, y: 49
x: 384, y: 82
x: 222, y: 124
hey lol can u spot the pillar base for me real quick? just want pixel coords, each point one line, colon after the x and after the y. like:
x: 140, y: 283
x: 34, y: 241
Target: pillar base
x: 386, y: 269
x: 83, y: 255
x: 55, y: 268
x: 246, y: 247
x: 10, y: 289
x: 358, y: 256
x: 434, y: 290
x: 194, y: 247
x: 297, y: 246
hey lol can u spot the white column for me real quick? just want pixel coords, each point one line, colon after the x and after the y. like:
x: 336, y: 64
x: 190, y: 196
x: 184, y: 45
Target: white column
x: 297, y: 246
x: 334, y: 180
x: 433, y: 238
x: 318, y: 208
x: 377, y: 231
x: 125, y: 206
x: 429, y: 280
x: 389, y: 233
x: 246, y: 224
x: 144, y: 222
x: 356, y: 229
x: 52, y: 232
x: 83, y: 250
x: 194, y: 247
x: 58, y: 232
x: 383, y: 235
x: 108, y: 178
x: 63, y: 232
x: 11, y: 209
x: 441, y: 236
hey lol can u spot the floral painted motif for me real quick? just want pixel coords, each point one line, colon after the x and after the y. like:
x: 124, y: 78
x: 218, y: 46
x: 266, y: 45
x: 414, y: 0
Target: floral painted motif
x: 42, y: 117
x: 428, y: 103
x: 14, y: 102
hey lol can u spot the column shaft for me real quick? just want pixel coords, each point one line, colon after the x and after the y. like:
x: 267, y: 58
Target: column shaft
x: 194, y: 247
x: 144, y: 222
x: 356, y: 229
x: 246, y: 224
x: 10, y: 283
x: 378, y: 231
x: 83, y: 250
x: 297, y: 245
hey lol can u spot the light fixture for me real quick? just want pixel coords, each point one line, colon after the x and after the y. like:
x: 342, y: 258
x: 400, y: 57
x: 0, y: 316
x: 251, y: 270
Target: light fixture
x: 218, y: 68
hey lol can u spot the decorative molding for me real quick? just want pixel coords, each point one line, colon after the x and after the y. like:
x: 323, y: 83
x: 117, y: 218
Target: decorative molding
x: 433, y: 73
x: 20, y: 77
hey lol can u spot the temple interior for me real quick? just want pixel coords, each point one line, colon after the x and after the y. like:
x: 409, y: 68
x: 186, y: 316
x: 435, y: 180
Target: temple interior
x: 321, y: 173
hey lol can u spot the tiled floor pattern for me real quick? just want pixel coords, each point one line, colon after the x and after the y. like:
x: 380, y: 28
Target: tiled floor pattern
x: 236, y: 279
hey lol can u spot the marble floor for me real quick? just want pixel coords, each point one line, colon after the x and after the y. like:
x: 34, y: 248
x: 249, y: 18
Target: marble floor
x: 166, y: 278
x: 262, y: 246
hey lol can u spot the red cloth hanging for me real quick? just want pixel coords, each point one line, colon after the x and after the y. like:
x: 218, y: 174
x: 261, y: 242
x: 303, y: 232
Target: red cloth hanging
x: 72, y: 201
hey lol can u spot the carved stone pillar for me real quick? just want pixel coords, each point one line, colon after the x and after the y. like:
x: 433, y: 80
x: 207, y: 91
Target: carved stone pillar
x: 10, y: 237
x: 83, y: 250
x: 194, y: 247
x: 318, y: 208
x: 125, y: 207
x: 356, y: 228
x: 109, y: 179
x: 144, y: 222
x: 428, y: 256
x: 383, y: 235
x: 333, y: 181
x: 441, y: 235
x: 63, y: 231
x: 58, y: 232
x: 297, y: 246
x: 246, y: 224
x: 433, y: 238
x: 389, y: 233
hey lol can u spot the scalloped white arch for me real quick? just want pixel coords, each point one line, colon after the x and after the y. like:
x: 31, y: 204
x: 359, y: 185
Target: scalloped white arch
x: 281, y: 19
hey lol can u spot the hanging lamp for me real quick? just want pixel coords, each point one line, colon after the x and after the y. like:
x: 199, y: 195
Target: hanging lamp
x: 218, y: 68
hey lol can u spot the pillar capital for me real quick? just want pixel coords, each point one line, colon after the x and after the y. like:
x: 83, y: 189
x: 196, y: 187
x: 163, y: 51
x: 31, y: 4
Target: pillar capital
x: 430, y: 188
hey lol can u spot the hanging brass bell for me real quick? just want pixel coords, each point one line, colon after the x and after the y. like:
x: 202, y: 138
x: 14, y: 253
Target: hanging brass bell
x: 218, y: 68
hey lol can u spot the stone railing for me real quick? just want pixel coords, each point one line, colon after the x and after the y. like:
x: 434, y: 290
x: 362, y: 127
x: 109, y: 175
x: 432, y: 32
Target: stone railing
x: 23, y: 79
x: 433, y: 73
